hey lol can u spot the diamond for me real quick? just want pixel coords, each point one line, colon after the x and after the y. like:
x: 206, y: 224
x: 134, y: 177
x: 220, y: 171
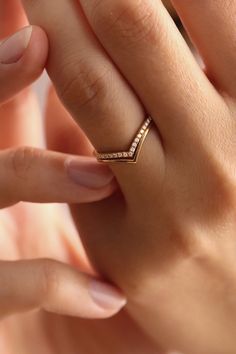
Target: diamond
x: 133, y: 152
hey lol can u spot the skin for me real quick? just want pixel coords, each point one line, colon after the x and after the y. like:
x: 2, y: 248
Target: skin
x: 166, y: 237
x: 48, y: 272
x: 53, y: 266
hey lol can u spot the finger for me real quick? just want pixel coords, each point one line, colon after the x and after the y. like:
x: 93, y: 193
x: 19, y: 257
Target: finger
x: 21, y: 121
x: 63, y: 133
x: 12, y: 17
x: 85, y: 72
x: 22, y: 60
x: 34, y: 175
x: 90, y: 86
x: 55, y: 287
x: 211, y: 25
x: 144, y: 42
x: 20, y: 118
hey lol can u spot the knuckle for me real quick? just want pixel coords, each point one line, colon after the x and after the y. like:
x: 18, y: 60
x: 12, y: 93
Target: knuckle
x: 221, y: 186
x: 50, y: 280
x: 86, y: 87
x: 226, y: 196
x: 21, y: 160
x: 132, y: 21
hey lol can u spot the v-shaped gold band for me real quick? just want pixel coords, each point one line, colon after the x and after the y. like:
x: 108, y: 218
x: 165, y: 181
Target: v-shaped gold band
x: 130, y: 156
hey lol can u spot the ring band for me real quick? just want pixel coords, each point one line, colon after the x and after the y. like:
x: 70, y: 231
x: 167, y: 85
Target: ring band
x: 130, y: 156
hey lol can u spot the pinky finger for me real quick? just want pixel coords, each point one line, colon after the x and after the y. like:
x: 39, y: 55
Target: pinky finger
x: 55, y: 287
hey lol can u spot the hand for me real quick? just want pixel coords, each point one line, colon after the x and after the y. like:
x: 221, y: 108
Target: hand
x: 37, y: 175
x: 169, y: 242
x: 43, y: 232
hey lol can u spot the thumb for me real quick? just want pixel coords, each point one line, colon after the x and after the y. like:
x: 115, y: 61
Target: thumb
x: 55, y: 287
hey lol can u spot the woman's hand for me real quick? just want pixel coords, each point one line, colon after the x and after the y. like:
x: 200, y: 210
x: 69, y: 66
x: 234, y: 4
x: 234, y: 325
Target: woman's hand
x: 31, y: 174
x: 168, y: 237
x: 46, y: 234
x: 36, y: 175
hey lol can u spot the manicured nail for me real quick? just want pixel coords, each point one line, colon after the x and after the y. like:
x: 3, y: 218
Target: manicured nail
x: 106, y: 296
x: 88, y: 172
x: 13, y: 48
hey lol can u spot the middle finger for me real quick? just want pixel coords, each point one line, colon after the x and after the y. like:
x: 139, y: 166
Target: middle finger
x: 145, y: 44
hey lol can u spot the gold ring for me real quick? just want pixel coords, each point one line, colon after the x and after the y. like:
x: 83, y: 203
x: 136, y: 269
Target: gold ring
x: 130, y: 156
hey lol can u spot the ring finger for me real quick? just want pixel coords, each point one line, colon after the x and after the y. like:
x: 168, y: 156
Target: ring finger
x: 90, y: 85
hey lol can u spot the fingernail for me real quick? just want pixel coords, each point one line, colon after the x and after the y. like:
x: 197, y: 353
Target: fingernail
x: 88, y: 172
x: 12, y: 49
x: 106, y: 296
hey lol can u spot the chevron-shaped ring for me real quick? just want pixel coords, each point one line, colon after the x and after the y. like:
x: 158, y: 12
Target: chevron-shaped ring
x: 130, y: 156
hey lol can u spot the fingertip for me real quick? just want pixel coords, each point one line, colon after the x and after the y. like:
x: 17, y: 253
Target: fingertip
x: 35, y: 56
x: 102, y: 193
x: 77, y: 294
x: 96, y: 181
x: 22, y: 59
x: 106, y: 296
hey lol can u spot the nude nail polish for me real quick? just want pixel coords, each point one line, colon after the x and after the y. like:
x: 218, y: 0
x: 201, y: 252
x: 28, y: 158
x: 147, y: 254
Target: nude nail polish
x: 13, y: 48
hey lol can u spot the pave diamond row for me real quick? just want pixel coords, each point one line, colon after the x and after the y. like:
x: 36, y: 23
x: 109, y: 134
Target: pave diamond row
x: 129, y: 155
